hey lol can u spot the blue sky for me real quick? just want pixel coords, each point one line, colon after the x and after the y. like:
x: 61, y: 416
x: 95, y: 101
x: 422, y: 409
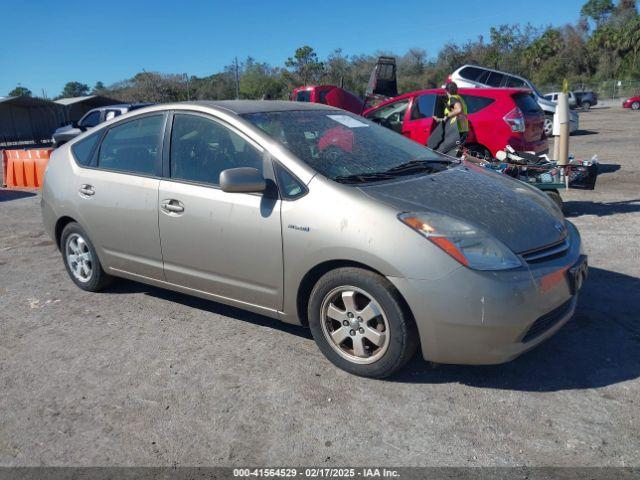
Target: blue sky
x: 46, y: 43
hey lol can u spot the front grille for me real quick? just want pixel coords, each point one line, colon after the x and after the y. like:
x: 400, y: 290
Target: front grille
x: 547, y: 321
x: 549, y: 252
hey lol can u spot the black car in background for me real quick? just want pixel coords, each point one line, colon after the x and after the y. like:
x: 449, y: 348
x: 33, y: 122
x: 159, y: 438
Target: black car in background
x: 92, y: 118
x: 586, y: 100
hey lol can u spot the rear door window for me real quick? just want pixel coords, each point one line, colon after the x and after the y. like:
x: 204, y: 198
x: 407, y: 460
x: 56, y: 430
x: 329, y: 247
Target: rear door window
x: 475, y: 103
x: 133, y: 146
x: 495, y: 79
x: 527, y: 103
x: 471, y: 73
x: 484, y: 76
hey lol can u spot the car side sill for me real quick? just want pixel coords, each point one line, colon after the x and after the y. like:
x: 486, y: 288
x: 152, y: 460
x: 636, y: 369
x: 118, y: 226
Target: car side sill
x: 269, y: 312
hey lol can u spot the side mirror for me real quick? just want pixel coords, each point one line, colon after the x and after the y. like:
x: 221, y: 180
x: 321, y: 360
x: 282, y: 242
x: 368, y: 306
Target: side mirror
x: 242, y: 180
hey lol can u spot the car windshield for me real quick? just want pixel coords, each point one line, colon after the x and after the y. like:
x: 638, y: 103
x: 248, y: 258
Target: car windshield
x: 347, y: 148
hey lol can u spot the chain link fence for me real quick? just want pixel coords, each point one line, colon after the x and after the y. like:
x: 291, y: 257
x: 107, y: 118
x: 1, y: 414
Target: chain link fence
x: 608, y: 91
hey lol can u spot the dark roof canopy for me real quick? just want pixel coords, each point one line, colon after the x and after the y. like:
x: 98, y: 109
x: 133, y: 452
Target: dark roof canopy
x: 25, y: 101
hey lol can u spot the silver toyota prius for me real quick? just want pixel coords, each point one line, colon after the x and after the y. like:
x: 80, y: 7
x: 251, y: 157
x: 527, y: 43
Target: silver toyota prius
x: 312, y: 215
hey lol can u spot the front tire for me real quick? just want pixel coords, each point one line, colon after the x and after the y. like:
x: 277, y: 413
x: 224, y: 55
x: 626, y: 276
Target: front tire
x: 360, y: 323
x: 557, y: 199
x: 635, y: 106
x: 81, y: 260
x: 586, y: 105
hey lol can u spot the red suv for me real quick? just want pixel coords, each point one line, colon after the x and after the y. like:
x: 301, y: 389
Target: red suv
x: 497, y: 117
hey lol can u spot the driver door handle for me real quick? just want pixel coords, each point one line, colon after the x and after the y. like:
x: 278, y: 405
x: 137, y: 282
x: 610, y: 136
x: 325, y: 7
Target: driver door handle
x: 87, y: 190
x: 172, y: 206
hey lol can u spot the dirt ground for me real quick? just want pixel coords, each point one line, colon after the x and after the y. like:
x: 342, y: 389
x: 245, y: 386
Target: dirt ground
x: 142, y: 376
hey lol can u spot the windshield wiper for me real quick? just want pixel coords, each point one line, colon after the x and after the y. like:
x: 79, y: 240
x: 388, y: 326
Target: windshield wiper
x: 417, y: 165
x: 364, y: 177
x: 413, y: 166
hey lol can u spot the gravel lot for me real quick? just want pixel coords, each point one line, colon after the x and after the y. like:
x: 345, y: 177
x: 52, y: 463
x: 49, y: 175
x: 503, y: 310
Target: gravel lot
x: 142, y: 376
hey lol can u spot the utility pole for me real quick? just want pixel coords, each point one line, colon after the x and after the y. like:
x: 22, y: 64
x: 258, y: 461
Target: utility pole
x: 186, y: 76
x: 237, y: 72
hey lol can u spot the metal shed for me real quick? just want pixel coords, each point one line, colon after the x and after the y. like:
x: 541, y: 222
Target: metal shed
x: 76, y: 107
x: 28, y: 121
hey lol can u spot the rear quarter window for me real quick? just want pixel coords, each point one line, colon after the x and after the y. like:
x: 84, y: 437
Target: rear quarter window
x: 83, y: 150
x: 475, y: 104
x: 527, y: 103
x: 513, y: 82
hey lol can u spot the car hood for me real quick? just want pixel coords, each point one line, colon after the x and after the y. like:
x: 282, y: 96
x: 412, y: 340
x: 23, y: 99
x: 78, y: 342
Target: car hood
x: 518, y: 215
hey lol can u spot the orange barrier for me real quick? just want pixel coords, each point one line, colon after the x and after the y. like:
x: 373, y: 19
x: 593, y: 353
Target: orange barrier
x: 24, y: 168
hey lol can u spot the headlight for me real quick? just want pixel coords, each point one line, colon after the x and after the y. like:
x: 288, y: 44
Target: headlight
x: 467, y: 244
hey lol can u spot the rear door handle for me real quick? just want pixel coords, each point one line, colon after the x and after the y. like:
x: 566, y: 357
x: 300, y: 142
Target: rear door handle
x: 172, y: 206
x: 87, y: 190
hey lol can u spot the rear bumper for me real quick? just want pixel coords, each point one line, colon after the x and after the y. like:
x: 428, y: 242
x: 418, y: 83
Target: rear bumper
x: 538, y: 147
x: 475, y: 317
x: 48, y: 218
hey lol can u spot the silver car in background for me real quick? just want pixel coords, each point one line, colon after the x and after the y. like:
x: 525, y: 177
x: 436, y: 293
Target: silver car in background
x: 312, y: 215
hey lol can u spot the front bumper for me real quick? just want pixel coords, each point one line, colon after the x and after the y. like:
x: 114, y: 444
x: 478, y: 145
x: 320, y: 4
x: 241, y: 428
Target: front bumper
x: 475, y: 317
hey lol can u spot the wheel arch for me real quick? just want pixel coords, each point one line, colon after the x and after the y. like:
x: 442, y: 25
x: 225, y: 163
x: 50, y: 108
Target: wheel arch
x: 479, y: 146
x: 315, y: 273
x: 60, y: 224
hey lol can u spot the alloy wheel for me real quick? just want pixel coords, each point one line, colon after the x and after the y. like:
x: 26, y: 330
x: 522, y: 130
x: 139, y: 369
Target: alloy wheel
x: 79, y: 257
x: 355, y: 325
x: 548, y: 126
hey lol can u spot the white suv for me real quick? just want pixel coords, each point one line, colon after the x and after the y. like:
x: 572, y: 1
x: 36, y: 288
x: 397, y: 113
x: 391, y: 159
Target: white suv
x: 474, y: 76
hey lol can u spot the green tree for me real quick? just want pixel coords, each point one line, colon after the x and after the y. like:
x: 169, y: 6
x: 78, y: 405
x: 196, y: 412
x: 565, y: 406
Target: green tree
x: 20, y: 92
x: 74, y: 89
x: 305, y: 65
x: 257, y: 80
x: 597, y: 10
x: 98, y: 88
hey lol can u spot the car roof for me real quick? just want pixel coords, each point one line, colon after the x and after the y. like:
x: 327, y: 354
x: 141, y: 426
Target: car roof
x: 121, y: 106
x: 492, y: 70
x: 241, y: 107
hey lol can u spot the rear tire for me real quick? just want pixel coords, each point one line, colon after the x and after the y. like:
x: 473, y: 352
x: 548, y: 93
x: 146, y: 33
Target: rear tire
x: 360, y: 323
x: 586, y: 105
x: 81, y: 260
